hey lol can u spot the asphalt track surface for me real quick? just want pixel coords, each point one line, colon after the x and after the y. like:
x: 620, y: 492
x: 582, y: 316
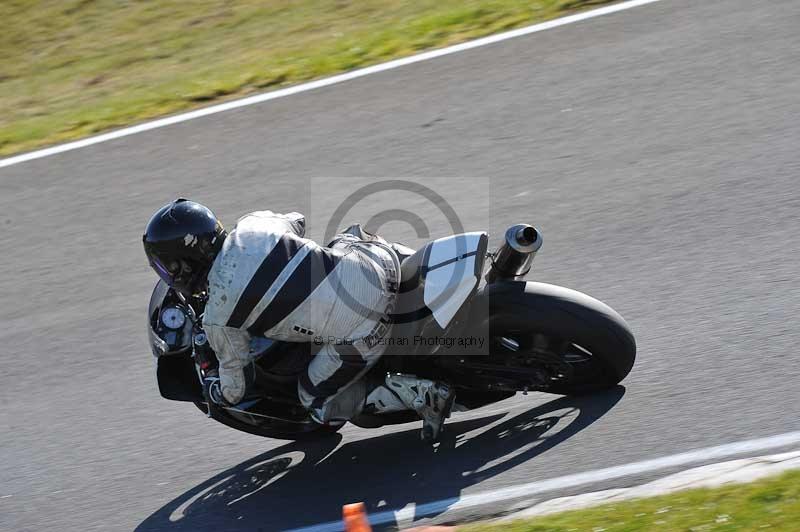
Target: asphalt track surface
x: 655, y: 148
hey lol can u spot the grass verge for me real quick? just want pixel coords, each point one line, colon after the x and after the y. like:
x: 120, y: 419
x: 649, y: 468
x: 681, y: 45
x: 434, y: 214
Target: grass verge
x: 70, y: 68
x: 770, y: 504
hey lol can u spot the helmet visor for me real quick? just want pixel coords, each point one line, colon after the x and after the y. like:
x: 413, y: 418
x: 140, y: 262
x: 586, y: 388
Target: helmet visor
x: 166, y: 275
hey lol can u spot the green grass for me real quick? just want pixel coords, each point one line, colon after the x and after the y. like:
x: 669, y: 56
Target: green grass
x: 70, y: 68
x: 772, y: 504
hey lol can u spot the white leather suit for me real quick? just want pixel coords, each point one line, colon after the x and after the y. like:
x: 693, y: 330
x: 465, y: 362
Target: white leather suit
x: 268, y: 280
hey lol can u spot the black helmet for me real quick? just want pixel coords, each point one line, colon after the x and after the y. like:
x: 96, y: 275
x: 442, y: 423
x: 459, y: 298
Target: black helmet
x: 181, y: 241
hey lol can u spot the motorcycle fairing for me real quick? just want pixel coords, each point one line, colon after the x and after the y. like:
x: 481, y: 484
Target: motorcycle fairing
x: 453, y: 268
x: 162, y: 340
x: 175, y: 369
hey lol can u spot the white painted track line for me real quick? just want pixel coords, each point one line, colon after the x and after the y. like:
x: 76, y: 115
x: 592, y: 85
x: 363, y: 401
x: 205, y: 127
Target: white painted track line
x: 267, y: 96
x: 510, y: 493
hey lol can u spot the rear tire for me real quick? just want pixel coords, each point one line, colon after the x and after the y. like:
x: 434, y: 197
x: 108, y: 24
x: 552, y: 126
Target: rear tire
x: 517, y: 307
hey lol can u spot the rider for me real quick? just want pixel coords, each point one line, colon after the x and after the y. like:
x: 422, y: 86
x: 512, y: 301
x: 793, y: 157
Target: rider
x: 265, y: 279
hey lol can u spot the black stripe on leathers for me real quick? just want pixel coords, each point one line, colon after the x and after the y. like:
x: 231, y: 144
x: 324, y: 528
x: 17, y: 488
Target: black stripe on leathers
x: 277, y: 259
x: 306, y: 277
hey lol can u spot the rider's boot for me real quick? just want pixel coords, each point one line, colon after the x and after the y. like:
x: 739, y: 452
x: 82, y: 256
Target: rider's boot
x: 432, y: 401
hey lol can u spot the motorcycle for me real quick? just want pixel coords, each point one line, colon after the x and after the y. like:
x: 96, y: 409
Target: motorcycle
x: 489, y: 336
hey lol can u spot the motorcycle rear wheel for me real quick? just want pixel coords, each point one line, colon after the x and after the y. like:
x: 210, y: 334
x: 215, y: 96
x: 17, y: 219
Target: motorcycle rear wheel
x: 597, y: 343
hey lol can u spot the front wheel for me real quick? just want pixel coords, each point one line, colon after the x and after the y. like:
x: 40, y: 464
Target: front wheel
x: 584, y: 343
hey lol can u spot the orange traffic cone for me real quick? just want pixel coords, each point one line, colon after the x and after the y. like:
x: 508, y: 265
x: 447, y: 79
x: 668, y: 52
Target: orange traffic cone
x: 355, y: 518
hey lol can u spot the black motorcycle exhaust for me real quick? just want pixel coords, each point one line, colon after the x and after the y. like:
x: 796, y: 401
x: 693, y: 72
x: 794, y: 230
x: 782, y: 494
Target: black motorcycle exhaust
x: 514, y: 258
